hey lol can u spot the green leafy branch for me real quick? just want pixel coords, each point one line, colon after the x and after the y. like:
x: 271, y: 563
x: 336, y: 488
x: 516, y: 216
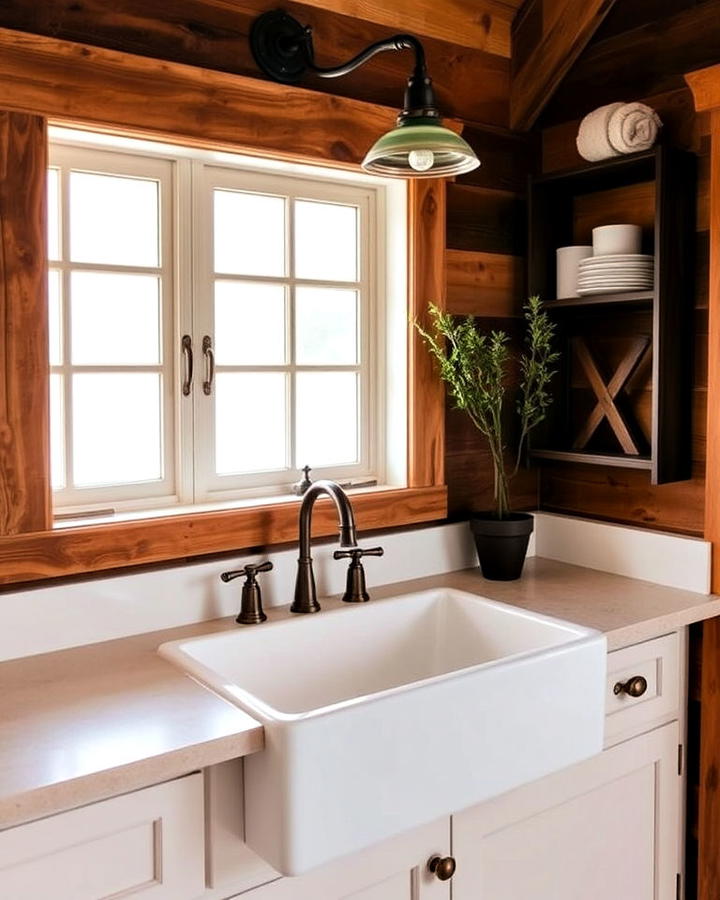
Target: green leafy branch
x: 475, y: 367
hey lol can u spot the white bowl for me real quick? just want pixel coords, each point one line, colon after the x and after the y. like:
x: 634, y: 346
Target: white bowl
x: 568, y: 260
x: 612, y: 239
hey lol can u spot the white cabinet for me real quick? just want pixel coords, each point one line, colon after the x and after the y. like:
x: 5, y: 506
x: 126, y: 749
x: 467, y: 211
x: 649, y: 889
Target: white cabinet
x: 394, y: 870
x: 609, y: 828
x: 149, y: 843
x: 605, y: 829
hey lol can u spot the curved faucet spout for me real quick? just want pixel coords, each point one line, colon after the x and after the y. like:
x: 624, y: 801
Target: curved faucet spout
x: 305, y: 590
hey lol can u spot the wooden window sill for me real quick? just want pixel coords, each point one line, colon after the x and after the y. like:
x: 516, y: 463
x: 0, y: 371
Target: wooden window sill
x: 99, y: 547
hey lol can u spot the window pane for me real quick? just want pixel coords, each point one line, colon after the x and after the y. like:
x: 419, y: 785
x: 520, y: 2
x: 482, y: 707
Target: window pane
x: 54, y: 318
x: 115, y: 319
x: 249, y: 324
x: 249, y: 233
x: 327, y: 418
x: 57, y: 435
x: 117, y: 430
x: 326, y: 243
x: 114, y: 220
x: 53, y: 202
x: 325, y: 326
x: 250, y: 417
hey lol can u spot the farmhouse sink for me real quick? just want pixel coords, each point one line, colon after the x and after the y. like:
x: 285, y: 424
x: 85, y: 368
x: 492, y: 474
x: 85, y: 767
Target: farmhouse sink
x: 379, y: 717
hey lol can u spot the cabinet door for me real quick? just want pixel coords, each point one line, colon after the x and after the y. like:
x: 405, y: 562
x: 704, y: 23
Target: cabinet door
x: 606, y: 829
x: 394, y: 870
x: 149, y: 843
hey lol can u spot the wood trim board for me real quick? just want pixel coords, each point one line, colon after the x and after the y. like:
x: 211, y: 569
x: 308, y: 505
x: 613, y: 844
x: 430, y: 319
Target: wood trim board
x: 705, y: 86
x: 69, y: 82
x: 96, y: 548
x: 426, y: 283
x: 179, y: 103
x: 24, y: 442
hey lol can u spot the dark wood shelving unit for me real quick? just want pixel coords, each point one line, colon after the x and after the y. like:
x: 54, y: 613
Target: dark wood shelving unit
x: 619, y: 460
x: 601, y: 300
x: 611, y: 342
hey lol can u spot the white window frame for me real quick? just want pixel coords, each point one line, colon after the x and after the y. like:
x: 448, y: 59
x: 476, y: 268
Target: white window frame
x: 382, y: 328
x: 371, y: 463
x: 66, y: 159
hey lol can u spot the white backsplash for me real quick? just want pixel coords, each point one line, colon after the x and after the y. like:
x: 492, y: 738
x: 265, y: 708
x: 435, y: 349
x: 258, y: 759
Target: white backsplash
x: 668, y: 559
x: 38, y: 620
x: 54, y: 617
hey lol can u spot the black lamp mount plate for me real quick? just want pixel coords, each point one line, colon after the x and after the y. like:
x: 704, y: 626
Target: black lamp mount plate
x: 279, y: 45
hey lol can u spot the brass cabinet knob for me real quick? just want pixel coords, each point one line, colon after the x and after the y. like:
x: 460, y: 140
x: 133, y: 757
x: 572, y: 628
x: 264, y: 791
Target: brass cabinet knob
x: 633, y: 687
x: 443, y: 867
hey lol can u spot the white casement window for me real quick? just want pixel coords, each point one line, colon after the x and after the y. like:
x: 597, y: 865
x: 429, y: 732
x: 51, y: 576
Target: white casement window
x: 213, y: 328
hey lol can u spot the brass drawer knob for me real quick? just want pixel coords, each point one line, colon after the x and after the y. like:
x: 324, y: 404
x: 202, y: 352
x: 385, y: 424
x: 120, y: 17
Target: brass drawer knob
x: 443, y: 867
x: 633, y: 687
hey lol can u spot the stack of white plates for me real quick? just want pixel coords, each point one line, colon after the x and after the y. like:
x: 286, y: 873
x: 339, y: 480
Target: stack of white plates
x: 615, y: 273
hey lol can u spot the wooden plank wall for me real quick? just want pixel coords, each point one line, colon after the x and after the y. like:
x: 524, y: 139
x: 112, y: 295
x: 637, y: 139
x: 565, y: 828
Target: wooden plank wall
x: 486, y: 278
x: 485, y: 210
x: 603, y: 75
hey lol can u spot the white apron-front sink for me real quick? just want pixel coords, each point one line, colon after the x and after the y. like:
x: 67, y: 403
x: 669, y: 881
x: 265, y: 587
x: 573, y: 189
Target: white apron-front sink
x: 379, y: 717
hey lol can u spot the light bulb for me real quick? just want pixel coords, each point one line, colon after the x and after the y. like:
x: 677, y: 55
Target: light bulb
x: 421, y: 160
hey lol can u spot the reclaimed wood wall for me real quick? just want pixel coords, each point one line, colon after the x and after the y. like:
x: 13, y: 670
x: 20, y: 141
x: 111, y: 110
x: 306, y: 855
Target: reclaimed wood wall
x: 641, y: 52
x: 470, y: 69
x: 485, y: 264
x: 642, y: 42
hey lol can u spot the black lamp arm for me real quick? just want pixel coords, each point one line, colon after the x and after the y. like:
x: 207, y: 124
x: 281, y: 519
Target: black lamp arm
x: 419, y: 95
x: 283, y: 48
x: 396, y: 42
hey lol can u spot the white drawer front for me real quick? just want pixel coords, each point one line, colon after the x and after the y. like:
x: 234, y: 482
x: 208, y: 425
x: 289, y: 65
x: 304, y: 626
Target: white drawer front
x: 149, y: 843
x: 658, y: 662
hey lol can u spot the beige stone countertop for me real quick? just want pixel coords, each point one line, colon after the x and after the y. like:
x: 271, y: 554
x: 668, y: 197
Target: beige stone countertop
x: 88, y: 723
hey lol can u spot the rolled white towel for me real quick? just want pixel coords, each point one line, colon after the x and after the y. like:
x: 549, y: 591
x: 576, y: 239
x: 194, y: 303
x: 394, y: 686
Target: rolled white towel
x: 633, y: 128
x: 593, y: 140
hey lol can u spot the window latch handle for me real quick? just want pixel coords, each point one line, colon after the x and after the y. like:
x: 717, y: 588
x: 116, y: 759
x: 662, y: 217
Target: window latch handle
x: 209, y: 363
x: 186, y: 347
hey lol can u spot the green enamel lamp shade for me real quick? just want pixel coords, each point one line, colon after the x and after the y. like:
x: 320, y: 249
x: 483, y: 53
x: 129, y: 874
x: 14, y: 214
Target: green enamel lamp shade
x: 420, y: 148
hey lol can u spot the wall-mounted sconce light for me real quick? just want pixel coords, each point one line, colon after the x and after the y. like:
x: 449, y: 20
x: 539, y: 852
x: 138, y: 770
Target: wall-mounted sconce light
x: 419, y: 147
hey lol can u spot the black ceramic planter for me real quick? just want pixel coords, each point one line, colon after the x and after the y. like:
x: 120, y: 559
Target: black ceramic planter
x: 501, y: 544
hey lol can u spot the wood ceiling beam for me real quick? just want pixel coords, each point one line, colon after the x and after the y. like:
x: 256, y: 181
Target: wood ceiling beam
x: 213, y: 35
x: 668, y: 46
x: 477, y: 24
x: 550, y: 36
x: 72, y: 82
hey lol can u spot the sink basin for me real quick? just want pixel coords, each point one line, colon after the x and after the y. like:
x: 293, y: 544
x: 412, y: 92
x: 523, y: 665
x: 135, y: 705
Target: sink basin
x: 379, y: 717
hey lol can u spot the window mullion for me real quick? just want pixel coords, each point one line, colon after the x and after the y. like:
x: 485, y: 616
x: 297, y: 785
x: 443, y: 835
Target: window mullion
x: 185, y: 275
x: 66, y: 323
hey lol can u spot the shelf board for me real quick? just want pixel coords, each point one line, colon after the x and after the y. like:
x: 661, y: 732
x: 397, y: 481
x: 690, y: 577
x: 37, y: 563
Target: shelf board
x: 638, y: 166
x: 602, y: 300
x: 596, y: 459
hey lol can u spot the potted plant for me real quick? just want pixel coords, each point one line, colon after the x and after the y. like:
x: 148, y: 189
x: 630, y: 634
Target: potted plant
x: 484, y: 377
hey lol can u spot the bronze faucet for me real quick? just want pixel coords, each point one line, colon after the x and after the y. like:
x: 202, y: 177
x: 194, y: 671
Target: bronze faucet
x: 305, y: 591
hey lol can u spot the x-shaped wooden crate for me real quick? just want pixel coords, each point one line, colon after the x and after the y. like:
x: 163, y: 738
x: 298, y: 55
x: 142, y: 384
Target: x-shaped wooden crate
x: 607, y: 393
